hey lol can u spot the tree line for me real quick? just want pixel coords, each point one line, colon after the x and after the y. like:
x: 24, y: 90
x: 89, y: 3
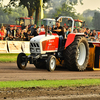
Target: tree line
x: 11, y: 18
x: 60, y: 8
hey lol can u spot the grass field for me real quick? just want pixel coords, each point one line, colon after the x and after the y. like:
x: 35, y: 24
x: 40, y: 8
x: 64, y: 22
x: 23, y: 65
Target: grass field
x: 49, y: 83
x: 8, y: 57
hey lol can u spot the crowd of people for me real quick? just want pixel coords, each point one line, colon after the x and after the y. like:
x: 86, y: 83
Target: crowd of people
x: 26, y: 34
x: 15, y: 33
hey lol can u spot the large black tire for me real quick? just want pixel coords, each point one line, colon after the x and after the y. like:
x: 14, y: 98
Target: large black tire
x: 77, y: 54
x: 22, y: 61
x: 51, y: 63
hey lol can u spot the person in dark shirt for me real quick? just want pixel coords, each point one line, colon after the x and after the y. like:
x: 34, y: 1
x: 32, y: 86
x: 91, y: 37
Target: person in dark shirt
x: 14, y: 31
x: 53, y: 27
x: 28, y: 35
x: 9, y: 32
x: 33, y: 30
x: 86, y: 33
x: 58, y: 28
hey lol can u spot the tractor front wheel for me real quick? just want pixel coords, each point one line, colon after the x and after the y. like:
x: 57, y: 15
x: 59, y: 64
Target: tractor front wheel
x: 22, y: 61
x: 51, y: 63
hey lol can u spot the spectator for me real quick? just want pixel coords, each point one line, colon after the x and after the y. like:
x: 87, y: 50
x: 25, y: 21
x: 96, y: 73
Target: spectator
x: 14, y: 31
x: 68, y: 31
x: 93, y: 36
x: 86, y: 33
x: 64, y: 32
x: 79, y: 30
x: 42, y: 29
x: 5, y: 31
x: 37, y: 30
x: 90, y: 34
x: 28, y: 35
x: 2, y: 34
x: 24, y: 32
x: 94, y: 33
x: 25, y: 29
x: 49, y: 29
x: 9, y: 32
x: 18, y: 35
x: 53, y: 27
x: 75, y: 31
x: 33, y: 29
x: 84, y: 29
x: 22, y: 35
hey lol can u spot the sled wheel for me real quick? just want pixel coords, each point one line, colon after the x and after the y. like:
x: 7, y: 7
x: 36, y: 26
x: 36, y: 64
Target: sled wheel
x: 51, y: 63
x: 22, y: 61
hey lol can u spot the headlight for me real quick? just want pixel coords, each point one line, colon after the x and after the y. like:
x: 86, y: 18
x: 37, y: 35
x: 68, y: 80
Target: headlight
x: 37, y: 49
x: 32, y: 50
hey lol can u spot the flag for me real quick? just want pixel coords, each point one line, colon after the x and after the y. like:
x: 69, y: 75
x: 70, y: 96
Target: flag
x: 41, y: 4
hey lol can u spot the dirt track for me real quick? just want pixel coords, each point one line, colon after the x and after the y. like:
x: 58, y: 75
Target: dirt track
x: 9, y: 71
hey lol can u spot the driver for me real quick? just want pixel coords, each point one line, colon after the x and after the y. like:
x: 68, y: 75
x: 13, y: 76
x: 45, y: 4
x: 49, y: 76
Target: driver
x: 58, y: 28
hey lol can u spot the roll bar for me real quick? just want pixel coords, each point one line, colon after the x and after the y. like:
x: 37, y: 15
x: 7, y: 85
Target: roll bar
x: 68, y: 18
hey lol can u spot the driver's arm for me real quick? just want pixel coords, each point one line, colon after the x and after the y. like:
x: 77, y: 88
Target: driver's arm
x: 57, y: 30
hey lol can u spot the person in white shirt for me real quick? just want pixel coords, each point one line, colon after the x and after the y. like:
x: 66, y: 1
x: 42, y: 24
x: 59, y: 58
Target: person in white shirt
x: 42, y: 29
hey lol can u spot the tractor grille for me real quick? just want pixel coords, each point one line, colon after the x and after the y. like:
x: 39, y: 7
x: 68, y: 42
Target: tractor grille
x: 34, y: 45
x: 34, y: 48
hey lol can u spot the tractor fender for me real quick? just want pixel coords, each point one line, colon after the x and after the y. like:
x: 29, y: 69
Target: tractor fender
x: 71, y: 37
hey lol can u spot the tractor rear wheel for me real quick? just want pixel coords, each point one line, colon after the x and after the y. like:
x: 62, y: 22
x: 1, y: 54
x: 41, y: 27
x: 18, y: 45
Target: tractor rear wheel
x: 77, y: 54
x: 22, y: 61
x: 51, y: 63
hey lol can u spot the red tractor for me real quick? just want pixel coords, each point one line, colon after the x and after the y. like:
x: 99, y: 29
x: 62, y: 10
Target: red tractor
x: 78, y: 23
x: 22, y: 22
x: 45, y: 53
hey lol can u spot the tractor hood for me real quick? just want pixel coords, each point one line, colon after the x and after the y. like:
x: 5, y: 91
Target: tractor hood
x: 42, y: 44
x: 41, y: 38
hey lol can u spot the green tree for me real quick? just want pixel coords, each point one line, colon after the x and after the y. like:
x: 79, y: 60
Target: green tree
x: 65, y: 10
x: 96, y: 20
x: 88, y: 13
x: 88, y: 20
x: 10, y: 18
x: 6, y: 19
x: 1, y: 17
x: 58, y: 3
x: 31, y: 5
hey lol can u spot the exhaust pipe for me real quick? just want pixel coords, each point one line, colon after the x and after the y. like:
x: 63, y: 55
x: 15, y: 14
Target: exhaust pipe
x: 46, y: 30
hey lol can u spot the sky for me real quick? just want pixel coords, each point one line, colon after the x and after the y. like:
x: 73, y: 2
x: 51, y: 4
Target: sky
x: 87, y: 4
